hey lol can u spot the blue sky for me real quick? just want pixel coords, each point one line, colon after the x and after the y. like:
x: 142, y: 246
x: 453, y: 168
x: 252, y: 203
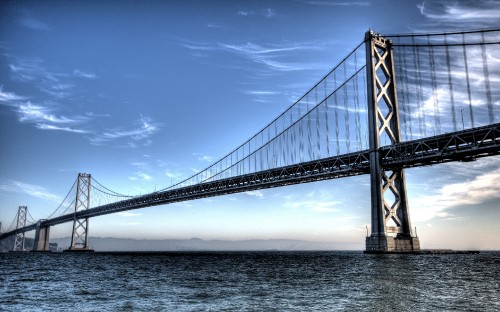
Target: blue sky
x: 143, y: 94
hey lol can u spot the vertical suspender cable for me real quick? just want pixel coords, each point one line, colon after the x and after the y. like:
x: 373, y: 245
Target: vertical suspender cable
x: 450, y: 84
x: 487, y: 80
x: 468, y: 81
x: 336, y: 114
x: 356, y: 105
x: 346, y: 113
x: 404, y: 104
x: 419, y: 90
x: 318, y: 135
x: 326, y: 122
x: 437, y: 120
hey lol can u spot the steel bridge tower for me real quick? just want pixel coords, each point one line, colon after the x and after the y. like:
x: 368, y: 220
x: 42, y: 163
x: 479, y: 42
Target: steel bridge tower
x: 22, y: 213
x: 390, y: 214
x: 79, y: 237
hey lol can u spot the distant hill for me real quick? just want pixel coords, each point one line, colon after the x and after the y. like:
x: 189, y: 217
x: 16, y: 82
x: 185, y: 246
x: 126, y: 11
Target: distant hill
x: 196, y: 244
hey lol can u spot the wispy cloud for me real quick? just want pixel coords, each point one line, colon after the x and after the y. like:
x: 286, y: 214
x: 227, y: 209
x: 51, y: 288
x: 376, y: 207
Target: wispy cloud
x: 268, y: 13
x: 29, y: 189
x: 252, y: 92
x: 8, y: 97
x: 257, y: 194
x: 146, y: 128
x: 245, y: 13
x: 29, y: 112
x: 140, y: 176
x: 314, y: 205
x: 33, y: 70
x: 66, y: 129
x: 173, y: 175
x: 206, y: 158
x: 262, y: 96
x: 42, y: 117
x: 34, y: 24
x: 475, y: 13
x: 79, y: 73
x: 128, y: 214
x: 269, y: 55
x: 335, y: 3
x: 277, y: 57
x: 211, y: 25
x: 203, y: 157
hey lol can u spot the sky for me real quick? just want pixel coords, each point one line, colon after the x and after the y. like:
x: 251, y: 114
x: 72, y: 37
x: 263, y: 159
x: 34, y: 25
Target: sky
x: 144, y: 94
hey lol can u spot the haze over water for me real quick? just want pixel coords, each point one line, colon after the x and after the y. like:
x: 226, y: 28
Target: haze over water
x: 249, y: 281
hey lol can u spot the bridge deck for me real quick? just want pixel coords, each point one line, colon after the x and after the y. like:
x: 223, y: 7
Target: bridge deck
x: 464, y: 145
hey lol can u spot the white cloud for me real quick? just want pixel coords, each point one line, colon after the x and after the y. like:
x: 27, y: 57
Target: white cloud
x: 257, y: 194
x: 261, y: 92
x: 245, y: 13
x: 30, y: 189
x: 482, y: 188
x: 267, y: 55
x: 271, y: 56
x: 66, y: 129
x: 29, y: 112
x: 335, y: 3
x: 9, y: 96
x: 146, y: 128
x: 269, y: 13
x: 476, y: 13
x: 173, y: 175
x: 314, y: 205
x: 79, y: 73
x: 128, y: 214
x: 206, y: 158
x: 34, y: 24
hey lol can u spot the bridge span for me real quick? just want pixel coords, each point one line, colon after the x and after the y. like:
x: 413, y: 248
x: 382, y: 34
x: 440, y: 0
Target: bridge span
x: 305, y: 143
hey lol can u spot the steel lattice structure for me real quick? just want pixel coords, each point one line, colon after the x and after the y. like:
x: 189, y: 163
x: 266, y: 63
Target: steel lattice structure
x: 82, y: 203
x: 22, y: 214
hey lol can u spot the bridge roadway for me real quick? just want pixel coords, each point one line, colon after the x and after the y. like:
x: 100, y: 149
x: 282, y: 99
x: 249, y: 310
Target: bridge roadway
x: 465, y: 145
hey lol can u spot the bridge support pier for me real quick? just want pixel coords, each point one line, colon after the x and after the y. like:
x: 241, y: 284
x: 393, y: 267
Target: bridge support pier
x: 41, y: 238
x: 389, y: 207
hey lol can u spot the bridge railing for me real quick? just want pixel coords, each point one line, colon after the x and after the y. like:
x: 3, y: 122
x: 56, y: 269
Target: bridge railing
x: 447, y: 82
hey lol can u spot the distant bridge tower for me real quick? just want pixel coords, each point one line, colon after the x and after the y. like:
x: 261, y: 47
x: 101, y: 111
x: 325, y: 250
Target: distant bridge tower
x: 22, y: 212
x: 79, y: 237
x: 390, y: 212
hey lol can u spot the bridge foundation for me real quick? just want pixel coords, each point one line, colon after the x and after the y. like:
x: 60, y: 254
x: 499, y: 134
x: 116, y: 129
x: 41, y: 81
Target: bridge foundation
x: 389, y: 206
x: 41, y: 238
x: 389, y: 244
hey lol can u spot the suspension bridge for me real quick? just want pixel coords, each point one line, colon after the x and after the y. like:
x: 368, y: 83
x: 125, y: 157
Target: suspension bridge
x: 396, y: 101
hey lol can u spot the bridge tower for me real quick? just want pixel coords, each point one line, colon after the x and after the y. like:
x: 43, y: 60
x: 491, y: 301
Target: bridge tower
x: 22, y: 213
x: 79, y: 237
x: 390, y: 214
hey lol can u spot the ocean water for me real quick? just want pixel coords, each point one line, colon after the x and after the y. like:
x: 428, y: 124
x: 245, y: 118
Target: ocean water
x: 249, y: 281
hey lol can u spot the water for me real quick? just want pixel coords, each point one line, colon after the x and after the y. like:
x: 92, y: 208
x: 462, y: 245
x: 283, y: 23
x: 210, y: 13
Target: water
x: 249, y: 281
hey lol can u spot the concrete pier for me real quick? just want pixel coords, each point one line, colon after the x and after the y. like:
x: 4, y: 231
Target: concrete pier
x: 41, y: 238
x: 389, y: 244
